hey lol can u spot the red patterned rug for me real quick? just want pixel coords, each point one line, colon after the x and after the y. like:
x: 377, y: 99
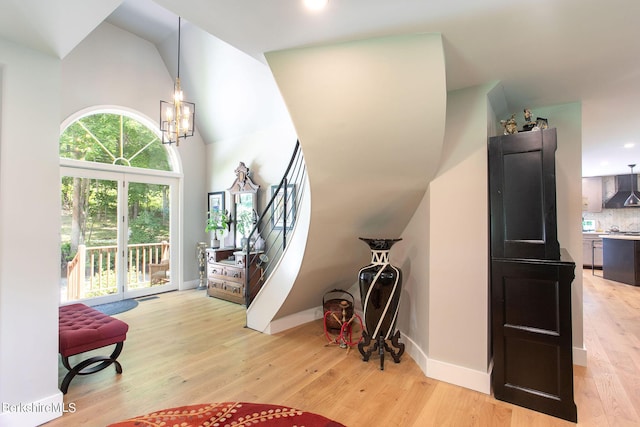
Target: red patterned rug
x: 229, y: 414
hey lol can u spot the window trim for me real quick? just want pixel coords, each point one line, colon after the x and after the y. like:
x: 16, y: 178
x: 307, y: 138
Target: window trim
x: 172, y: 153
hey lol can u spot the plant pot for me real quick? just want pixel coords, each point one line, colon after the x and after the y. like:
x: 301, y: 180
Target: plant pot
x: 243, y: 243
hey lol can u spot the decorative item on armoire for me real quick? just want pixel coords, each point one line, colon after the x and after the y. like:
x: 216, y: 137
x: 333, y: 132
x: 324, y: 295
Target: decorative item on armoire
x: 380, y: 286
x: 509, y: 126
x: 528, y: 124
x: 542, y: 123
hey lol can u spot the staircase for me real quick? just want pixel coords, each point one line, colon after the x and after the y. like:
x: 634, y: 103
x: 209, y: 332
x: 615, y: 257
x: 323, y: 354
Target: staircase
x: 268, y: 238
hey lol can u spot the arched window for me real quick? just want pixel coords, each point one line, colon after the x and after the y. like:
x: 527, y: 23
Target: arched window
x: 114, y: 139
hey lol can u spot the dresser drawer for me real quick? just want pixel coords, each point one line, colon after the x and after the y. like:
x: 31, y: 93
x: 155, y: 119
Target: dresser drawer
x: 214, y: 284
x: 225, y: 285
x: 234, y: 274
x: 226, y: 290
x: 226, y: 279
x: 215, y: 270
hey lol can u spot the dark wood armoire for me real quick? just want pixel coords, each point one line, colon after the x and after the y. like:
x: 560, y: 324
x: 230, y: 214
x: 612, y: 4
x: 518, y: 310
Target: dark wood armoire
x: 530, y: 277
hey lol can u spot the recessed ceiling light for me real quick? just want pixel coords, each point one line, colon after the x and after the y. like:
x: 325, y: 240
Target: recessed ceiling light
x: 629, y: 145
x: 315, y: 4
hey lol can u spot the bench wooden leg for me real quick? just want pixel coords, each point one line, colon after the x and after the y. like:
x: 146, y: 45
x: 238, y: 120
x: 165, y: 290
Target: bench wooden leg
x: 82, y: 368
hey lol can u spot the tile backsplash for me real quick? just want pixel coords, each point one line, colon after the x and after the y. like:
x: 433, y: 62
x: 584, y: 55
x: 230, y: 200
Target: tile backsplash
x: 626, y: 219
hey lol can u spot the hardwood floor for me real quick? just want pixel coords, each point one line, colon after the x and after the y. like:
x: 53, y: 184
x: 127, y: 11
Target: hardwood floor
x: 184, y: 348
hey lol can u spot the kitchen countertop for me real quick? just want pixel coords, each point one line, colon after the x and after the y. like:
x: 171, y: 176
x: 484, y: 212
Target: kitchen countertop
x: 593, y: 234
x: 621, y: 236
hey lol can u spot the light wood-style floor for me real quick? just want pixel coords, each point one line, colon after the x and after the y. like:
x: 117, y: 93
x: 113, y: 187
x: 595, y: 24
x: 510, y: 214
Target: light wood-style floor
x: 184, y: 348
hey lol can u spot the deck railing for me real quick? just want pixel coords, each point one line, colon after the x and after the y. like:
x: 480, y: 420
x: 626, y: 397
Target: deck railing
x: 92, y: 272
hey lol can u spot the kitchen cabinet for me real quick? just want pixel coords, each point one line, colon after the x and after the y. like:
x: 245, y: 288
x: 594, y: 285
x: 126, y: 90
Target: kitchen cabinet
x: 622, y: 259
x: 592, y: 194
x: 592, y: 250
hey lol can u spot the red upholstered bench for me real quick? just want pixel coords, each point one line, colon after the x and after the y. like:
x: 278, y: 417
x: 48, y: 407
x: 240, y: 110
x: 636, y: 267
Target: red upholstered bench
x: 81, y: 329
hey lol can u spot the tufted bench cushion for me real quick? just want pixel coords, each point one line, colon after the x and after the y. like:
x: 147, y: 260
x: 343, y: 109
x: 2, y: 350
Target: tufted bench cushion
x: 82, y: 328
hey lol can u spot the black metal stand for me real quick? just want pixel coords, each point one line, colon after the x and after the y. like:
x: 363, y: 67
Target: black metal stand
x: 79, y: 369
x: 381, y: 345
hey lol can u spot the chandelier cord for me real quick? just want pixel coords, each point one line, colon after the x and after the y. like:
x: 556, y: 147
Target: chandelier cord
x: 179, y: 24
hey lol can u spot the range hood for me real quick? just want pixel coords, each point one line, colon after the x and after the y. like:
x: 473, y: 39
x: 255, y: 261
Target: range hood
x: 623, y: 191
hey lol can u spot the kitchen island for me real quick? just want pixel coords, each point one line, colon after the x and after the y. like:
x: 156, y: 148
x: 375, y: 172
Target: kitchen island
x: 621, y: 258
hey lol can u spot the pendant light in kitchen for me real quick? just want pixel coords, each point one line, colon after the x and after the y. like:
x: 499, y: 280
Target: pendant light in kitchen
x: 632, y: 200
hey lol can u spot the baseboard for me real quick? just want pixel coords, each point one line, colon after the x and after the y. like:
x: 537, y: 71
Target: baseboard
x: 459, y: 375
x: 190, y: 284
x: 34, y: 413
x: 442, y: 371
x: 580, y: 356
x: 416, y: 353
x: 293, y: 320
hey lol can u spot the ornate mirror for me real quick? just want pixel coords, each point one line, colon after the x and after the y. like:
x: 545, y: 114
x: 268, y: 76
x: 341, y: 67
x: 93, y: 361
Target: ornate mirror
x: 244, y: 206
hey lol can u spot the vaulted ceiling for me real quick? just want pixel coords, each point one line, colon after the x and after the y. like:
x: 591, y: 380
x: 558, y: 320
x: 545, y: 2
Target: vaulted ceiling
x: 544, y: 53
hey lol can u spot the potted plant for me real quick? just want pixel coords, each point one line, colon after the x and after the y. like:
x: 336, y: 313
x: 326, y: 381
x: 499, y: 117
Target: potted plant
x: 244, y: 225
x: 217, y: 221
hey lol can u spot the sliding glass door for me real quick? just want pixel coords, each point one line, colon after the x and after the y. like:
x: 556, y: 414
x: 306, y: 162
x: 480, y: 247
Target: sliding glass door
x: 116, y: 235
x: 89, y: 238
x: 148, y: 238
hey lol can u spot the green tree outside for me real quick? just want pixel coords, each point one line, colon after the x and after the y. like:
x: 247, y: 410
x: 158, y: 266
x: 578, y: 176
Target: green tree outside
x: 89, y: 205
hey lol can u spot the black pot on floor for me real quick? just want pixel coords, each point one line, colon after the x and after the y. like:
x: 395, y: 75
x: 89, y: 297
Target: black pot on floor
x: 380, y: 287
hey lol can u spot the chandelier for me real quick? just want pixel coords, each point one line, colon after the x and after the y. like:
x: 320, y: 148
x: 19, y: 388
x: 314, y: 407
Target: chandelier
x: 177, y: 117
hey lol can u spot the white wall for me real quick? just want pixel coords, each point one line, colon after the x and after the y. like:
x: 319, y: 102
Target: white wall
x: 413, y: 258
x: 459, y: 236
x: 114, y: 67
x: 370, y: 116
x: 234, y: 92
x: 29, y: 224
x: 247, y: 117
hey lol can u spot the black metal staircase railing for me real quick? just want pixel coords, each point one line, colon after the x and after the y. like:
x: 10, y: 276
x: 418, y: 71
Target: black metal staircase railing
x: 272, y: 230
